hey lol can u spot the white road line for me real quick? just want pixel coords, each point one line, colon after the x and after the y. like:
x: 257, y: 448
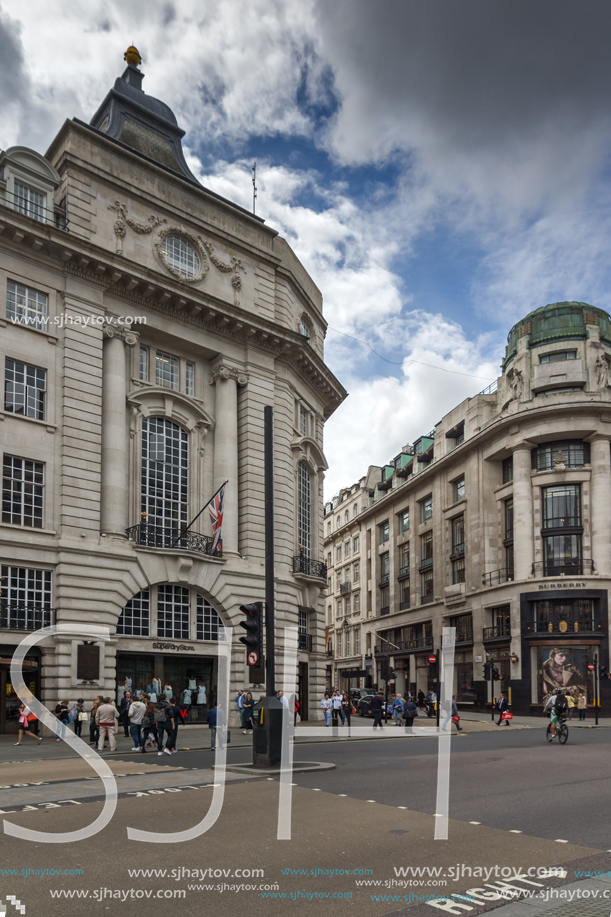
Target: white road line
x: 560, y: 841
x: 475, y: 822
x: 316, y: 790
x: 370, y: 800
x: 513, y: 831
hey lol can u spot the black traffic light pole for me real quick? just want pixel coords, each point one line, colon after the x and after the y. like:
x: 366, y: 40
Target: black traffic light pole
x: 268, y: 451
x: 438, y: 690
x: 596, y: 689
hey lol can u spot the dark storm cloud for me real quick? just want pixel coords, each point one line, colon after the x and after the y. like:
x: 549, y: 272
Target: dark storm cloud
x: 445, y: 77
x: 14, y: 85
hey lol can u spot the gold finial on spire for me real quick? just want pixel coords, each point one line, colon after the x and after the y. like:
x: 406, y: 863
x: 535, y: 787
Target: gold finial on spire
x: 132, y: 56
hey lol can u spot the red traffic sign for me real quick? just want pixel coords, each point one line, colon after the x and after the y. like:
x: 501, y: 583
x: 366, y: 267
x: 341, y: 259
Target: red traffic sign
x: 591, y: 667
x: 253, y: 658
x: 432, y: 659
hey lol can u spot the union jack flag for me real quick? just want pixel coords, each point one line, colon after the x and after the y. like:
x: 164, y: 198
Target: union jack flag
x: 216, y: 517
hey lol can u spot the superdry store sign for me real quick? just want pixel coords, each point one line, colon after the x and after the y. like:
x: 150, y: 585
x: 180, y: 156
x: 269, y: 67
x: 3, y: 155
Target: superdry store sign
x: 177, y: 647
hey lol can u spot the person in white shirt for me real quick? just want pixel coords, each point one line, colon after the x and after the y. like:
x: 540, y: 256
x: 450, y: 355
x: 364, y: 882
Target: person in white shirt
x: 326, y: 704
x: 135, y: 714
x: 283, y: 700
x: 336, y: 706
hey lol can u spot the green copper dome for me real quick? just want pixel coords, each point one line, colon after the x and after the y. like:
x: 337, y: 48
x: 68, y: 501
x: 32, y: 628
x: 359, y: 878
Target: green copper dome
x: 559, y: 321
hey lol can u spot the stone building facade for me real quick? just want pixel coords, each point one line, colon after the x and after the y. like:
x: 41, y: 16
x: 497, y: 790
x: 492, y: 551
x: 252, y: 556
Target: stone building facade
x: 498, y: 523
x: 146, y: 322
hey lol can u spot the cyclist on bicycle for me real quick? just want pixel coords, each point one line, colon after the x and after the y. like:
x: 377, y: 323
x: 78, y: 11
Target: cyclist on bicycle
x: 557, y: 705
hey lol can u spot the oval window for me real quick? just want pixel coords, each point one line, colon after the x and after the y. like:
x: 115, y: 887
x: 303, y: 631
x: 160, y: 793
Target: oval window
x: 181, y: 256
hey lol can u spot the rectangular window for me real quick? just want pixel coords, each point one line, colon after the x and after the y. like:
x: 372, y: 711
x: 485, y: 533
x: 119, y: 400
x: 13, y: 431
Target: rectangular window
x: 426, y: 549
x: 562, y: 555
x: 508, y: 539
x: 22, y: 492
x: 458, y: 490
x: 404, y: 522
x: 25, y: 306
x: 347, y: 549
x: 355, y: 511
x: 25, y: 599
x: 573, y: 453
x: 508, y: 519
x: 24, y: 389
x: 558, y: 357
x: 458, y: 570
x: 135, y: 619
x: 562, y: 506
x: 173, y: 612
x: 384, y: 532
x: 464, y: 628
x: 355, y: 544
x: 404, y: 559
x: 458, y: 535
x: 328, y: 528
x: 347, y: 643
x: 384, y: 600
x: 508, y: 470
x: 166, y: 370
x: 426, y: 587
x: 356, y: 572
x: 348, y: 604
x: 30, y: 202
x: 338, y: 553
x: 426, y: 508
x: 339, y: 578
x: 190, y: 379
x: 357, y: 602
x: 340, y: 606
x: 329, y: 559
x: 144, y: 363
x: 339, y: 643
x: 404, y: 594
x: 303, y: 420
x: 384, y: 567
x: 357, y: 642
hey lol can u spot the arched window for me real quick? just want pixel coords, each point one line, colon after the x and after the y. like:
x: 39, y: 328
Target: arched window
x: 135, y: 620
x: 304, y: 533
x: 165, y: 462
x: 209, y: 624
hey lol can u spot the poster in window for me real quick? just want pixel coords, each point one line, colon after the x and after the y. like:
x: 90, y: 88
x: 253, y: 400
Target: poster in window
x: 563, y: 667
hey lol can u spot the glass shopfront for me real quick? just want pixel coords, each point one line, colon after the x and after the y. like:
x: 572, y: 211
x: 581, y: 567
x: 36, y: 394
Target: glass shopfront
x: 563, y: 665
x: 10, y: 703
x: 190, y: 681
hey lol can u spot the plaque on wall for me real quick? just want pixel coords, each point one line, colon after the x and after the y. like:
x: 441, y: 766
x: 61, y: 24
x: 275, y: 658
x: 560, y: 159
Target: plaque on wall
x: 88, y: 662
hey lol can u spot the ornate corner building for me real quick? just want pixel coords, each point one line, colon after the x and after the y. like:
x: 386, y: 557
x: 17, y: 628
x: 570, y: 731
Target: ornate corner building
x: 497, y: 522
x: 146, y: 322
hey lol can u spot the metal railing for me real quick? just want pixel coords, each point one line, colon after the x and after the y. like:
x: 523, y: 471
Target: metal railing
x: 500, y: 631
x: 577, y: 568
x: 384, y: 579
x: 385, y: 610
x: 25, y: 617
x: 344, y: 588
x: 158, y: 536
x: 309, y: 567
x: 490, y: 389
x: 426, y: 599
x: 465, y: 637
x: 405, y: 646
x: 305, y: 642
x: 497, y: 577
x: 404, y: 605
x: 57, y: 216
x: 404, y: 571
x: 562, y: 624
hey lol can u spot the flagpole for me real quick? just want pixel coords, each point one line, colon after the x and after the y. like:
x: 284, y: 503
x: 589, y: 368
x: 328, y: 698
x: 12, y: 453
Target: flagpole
x: 199, y: 514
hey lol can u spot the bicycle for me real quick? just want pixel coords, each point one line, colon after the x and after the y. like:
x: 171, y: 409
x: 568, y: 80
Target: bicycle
x: 562, y: 732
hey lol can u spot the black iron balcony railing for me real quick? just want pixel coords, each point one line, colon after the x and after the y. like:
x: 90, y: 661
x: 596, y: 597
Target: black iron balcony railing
x: 558, y: 624
x: 25, y: 617
x: 56, y: 216
x: 425, y: 563
x: 498, y: 632
x: 158, y: 536
x: 425, y: 599
x: 305, y: 642
x: 403, y: 605
x: 309, y: 567
x: 403, y: 572
x: 344, y: 588
x: 405, y: 646
x: 384, y: 579
x: 463, y: 638
x: 497, y: 577
x: 385, y: 610
x: 577, y: 567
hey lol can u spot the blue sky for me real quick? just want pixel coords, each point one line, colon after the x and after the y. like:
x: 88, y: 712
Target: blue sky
x: 440, y: 168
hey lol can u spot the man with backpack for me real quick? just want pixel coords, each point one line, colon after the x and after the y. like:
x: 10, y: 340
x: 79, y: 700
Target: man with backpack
x: 164, y: 721
x: 557, y: 706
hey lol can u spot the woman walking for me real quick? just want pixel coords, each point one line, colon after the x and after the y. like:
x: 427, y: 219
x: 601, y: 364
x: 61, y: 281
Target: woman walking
x: 582, y: 703
x: 326, y: 704
x: 345, y: 709
x: 247, y: 710
x: 25, y: 722
x: 94, y: 729
x: 63, y: 716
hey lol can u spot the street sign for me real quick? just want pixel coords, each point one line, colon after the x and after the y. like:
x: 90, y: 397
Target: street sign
x: 253, y: 658
x: 591, y: 667
x: 432, y: 659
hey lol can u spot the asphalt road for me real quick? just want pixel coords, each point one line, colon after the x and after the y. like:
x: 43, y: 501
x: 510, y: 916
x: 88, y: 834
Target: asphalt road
x: 344, y: 819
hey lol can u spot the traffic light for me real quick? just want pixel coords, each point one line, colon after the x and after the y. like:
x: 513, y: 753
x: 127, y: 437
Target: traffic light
x: 433, y: 669
x: 487, y: 671
x: 384, y: 668
x: 496, y: 675
x: 391, y: 674
x: 604, y: 671
x: 253, y: 625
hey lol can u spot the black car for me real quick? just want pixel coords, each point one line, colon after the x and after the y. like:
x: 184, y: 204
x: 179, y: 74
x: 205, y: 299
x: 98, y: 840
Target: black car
x: 364, y: 706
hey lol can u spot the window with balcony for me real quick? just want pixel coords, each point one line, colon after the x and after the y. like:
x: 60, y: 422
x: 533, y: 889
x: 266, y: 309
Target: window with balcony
x: 384, y: 531
x: 30, y: 202
x: 501, y: 624
x: 22, y: 492
x: 561, y: 506
x: 173, y: 612
x: 25, y: 598
x: 404, y: 559
x: 426, y: 587
x: 304, y: 510
x: 24, y: 389
x: 165, y: 464
x: 404, y: 522
x: 25, y: 306
x: 384, y: 600
x: 573, y: 453
x: 458, y: 490
x: 167, y: 370
x: 507, y: 470
x: 426, y: 508
x: 464, y: 628
x: 426, y: 549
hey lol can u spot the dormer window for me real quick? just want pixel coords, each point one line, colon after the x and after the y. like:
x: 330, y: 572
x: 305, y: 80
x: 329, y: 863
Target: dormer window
x: 29, y: 185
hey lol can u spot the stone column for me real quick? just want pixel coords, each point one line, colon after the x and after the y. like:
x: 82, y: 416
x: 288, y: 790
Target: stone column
x: 600, y: 504
x: 523, y: 530
x: 115, y: 466
x: 226, y: 379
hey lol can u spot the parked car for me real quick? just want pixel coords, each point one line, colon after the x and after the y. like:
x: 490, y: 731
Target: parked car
x: 357, y: 693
